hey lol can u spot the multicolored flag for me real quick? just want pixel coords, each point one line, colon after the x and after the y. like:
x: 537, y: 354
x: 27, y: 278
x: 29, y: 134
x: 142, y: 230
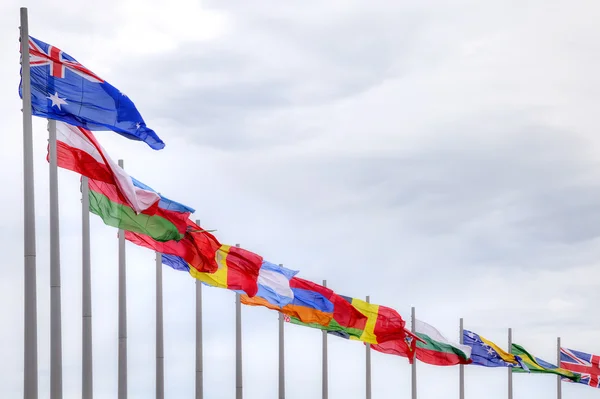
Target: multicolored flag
x: 488, y: 354
x: 319, y: 307
x: 377, y: 325
x: 65, y: 90
x: 383, y: 323
x: 273, y: 286
x: 585, y: 364
x: 79, y: 151
x: 161, y: 224
x: 536, y: 365
x: 238, y: 270
x: 198, y: 248
x: 434, y: 348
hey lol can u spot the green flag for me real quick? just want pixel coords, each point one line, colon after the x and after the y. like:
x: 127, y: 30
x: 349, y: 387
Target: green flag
x: 537, y: 365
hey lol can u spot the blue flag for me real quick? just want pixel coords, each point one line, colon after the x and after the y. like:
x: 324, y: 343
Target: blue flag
x: 65, y: 90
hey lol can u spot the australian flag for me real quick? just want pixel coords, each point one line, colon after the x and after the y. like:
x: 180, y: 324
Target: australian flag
x: 65, y: 90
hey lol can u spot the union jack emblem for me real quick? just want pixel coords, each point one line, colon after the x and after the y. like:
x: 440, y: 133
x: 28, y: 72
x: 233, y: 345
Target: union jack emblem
x: 59, y: 61
x: 588, y: 366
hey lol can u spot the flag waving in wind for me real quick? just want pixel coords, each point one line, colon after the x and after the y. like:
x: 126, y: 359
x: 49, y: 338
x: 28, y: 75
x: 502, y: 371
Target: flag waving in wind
x: 65, y: 90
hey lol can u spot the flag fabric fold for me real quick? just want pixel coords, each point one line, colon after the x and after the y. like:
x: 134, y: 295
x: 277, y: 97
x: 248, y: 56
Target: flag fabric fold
x: 434, y: 349
x: 65, y: 90
x: 537, y: 365
x: 274, y: 285
x: 487, y: 354
x: 320, y: 307
x: 175, y: 262
x: 198, y: 248
x: 584, y: 364
x: 238, y: 270
x: 316, y: 306
x: 162, y: 225
x: 383, y: 323
x: 78, y: 150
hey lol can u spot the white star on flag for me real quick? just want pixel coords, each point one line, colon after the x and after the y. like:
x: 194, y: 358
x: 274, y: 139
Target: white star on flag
x: 56, y: 100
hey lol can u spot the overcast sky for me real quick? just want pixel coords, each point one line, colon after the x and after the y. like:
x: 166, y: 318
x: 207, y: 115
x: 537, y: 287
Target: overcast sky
x: 436, y: 154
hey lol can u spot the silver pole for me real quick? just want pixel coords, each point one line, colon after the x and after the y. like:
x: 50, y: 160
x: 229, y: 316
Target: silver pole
x: 325, y: 381
x: 368, y: 365
x: 461, y: 368
x: 87, y: 377
x: 414, y: 365
x: 30, y: 363
x: 160, y: 354
x: 510, y: 381
x: 122, y: 390
x: 558, y: 380
x: 55, y: 305
x: 239, y: 392
x: 199, y: 375
x: 281, y: 356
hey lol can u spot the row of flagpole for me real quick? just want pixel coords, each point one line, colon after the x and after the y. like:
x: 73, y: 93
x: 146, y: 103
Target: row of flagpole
x: 30, y: 287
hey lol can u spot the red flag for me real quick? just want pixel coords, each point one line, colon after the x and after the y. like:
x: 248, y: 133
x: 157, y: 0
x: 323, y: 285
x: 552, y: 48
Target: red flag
x: 198, y: 247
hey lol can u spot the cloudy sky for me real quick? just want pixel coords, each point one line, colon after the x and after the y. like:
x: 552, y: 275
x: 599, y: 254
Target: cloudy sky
x: 436, y: 154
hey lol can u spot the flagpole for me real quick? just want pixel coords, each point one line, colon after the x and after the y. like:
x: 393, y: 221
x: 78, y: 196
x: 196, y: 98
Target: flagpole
x: 30, y: 360
x: 239, y: 392
x: 368, y: 364
x: 414, y: 364
x: 325, y: 382
x: 461, y: 368
x: 55, y: 304
x: 86, y: 295
x: 510, y: 381
x: 558, y: 379
x: 199, y: 355
x: 122, y: 384
x: 160, y: 355
x: 281, y: 356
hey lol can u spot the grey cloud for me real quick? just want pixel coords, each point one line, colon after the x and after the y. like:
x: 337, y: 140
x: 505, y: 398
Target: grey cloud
x: 219, y: 91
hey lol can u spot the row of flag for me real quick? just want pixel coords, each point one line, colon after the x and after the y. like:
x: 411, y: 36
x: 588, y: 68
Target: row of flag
x: 80, y: 101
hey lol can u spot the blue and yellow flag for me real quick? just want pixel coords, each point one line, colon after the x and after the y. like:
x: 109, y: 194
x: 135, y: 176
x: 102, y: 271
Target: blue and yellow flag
x: 488, y: 354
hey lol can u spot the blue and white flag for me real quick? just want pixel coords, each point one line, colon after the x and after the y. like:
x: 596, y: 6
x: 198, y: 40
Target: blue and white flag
x: 274, y: 284
x: 65, y: 90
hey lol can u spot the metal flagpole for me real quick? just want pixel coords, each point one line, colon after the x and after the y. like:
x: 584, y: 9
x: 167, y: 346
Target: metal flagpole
x: 30, y: 363
x: 122, y: 390
x: 281, y: 356
x: 55, y: 304
x: 558, y: 379
x: 199, y: 376
x: 325, y: 381
x: 368, y: 365
x: 414, y: 364
x: 510, y: 381
x: 461, y: 369
x: 239, y: 392
x: 86, y: 295
x: 160, y: 355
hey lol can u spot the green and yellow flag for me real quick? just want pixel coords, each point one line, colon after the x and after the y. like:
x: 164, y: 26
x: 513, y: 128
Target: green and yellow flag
x: 537, y: 365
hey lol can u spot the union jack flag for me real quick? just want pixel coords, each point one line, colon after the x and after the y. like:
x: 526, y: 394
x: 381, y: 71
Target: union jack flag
x: 588, y: 366
x: 58, y: 61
